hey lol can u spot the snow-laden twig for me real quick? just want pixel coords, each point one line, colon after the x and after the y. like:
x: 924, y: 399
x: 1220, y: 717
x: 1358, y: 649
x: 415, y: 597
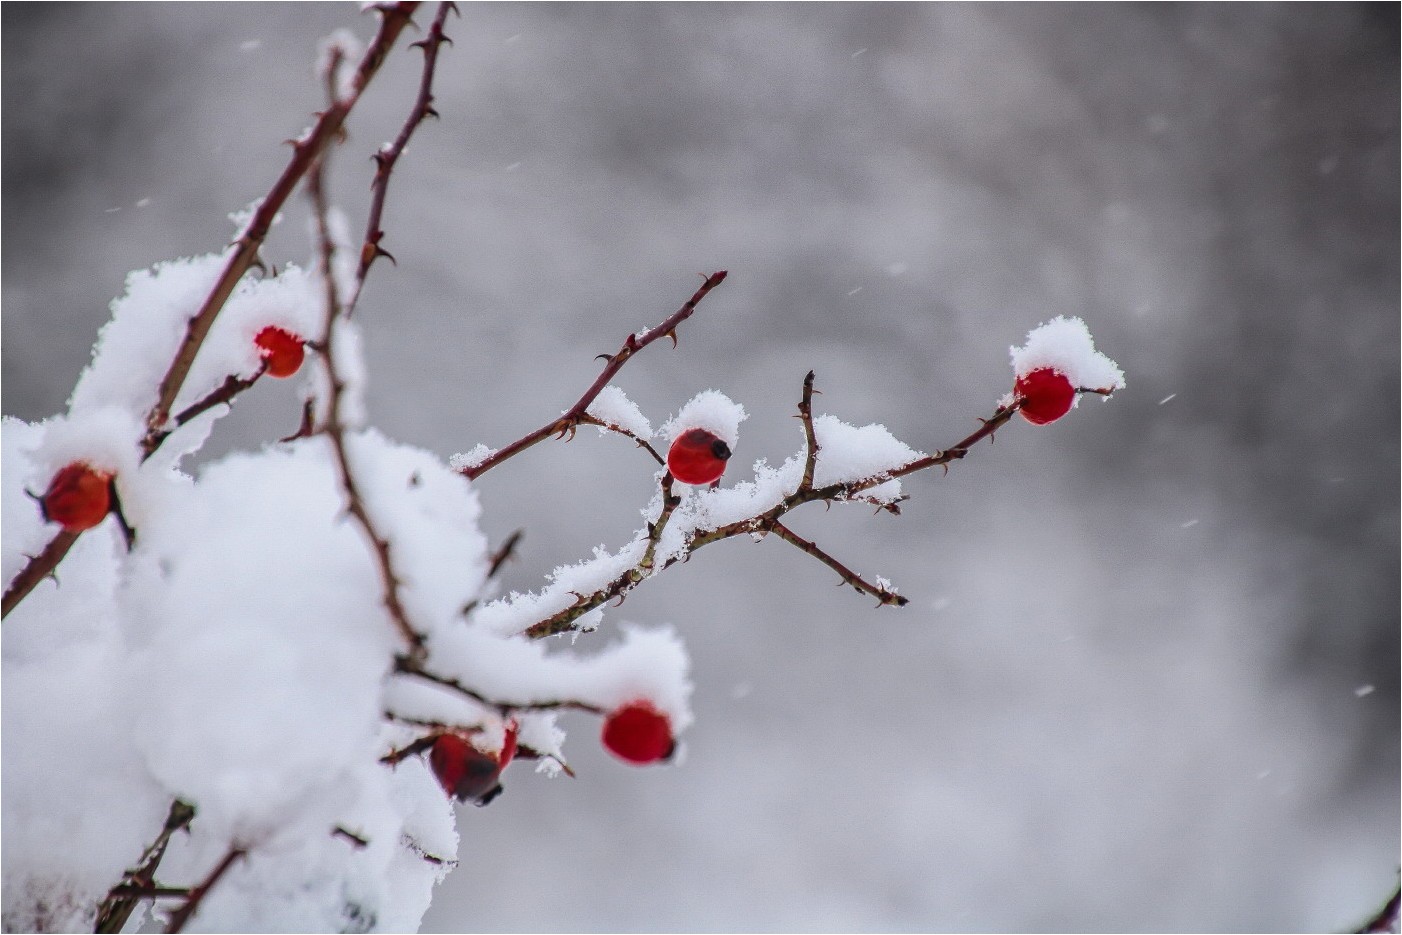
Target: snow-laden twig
x: 591, y: 419
x: 305, y: 151
x: 766, y: 519
x: 573, y: 416
x: 389, y: 154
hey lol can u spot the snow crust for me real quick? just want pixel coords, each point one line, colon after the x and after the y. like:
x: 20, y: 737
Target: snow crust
x: 1065, y: 344
x: 613, y: 406
x: 711, y: 410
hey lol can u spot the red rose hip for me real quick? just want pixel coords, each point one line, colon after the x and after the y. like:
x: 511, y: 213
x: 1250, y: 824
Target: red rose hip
x: 1046, y: 395
x: 638, y: 733
x: 78, y: 497
x: 466, y: 773
x: 697, y: 457
x: 282, y: 350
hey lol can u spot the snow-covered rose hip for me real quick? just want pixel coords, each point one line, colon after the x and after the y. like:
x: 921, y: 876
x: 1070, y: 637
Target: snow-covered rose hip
x: 78, y: 497
x: 1046, y: 395
x: 282, y: 350
x: 466, y: 773
x: 697, y: 457
x: 638, y: 733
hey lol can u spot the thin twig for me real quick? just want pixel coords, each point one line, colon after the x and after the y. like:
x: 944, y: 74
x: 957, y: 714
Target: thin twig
x: 335, y: 430
x: 191, y: 905
x: 305, y: 150
x: 389, y: 154
x: 588, y: 419
x: 631, y: 346
x: 502, y: 554
x: 504, y: 708
x: 358, y: 842
x: 37, y: 569
x: 224, y: 393
x: 883, y: 595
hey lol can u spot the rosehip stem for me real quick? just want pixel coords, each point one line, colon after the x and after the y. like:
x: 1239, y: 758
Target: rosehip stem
x: 574, y: 415
x: 117, y: 907
x: 35, y: 570
x: 883, y: 596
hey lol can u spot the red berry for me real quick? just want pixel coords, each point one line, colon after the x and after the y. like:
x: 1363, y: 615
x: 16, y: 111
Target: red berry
x: 1046, y: 395
x: 638, y: 733
x: 466, y: 773
x: 78, y: 497
x: 697, y: 457
x: 281, y: 349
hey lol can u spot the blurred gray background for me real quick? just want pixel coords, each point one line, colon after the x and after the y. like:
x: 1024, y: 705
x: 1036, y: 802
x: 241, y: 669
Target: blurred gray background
x: 1148, y: 679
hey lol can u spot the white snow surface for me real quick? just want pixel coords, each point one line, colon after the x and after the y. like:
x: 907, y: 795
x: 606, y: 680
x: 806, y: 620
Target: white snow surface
x: 613, y: 406
x: 1065, y: 344
x: 711, y: 410
x: 239, y: 657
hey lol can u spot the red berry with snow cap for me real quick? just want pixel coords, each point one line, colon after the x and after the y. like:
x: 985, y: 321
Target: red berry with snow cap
x: 466, y: 773
x: 282, y: 350
x: 78, y: 497
x: 1046, y: 395
x: 697, y: 457
x: 638, y: 733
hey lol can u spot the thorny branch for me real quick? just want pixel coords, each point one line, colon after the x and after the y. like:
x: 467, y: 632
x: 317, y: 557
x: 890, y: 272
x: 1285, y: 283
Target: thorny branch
x: 587, y: 419
x: 574, y: 415
x: 305, y: 151
x: 389, y: 154
x: 768, y: 521
x: 335, y: 430
x: 884, y: 596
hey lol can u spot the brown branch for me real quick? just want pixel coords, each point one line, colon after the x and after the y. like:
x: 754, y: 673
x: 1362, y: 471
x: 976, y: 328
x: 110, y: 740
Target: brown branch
x: 389, y: 154
x: 358, y: 842
x: 37, y: 569
x: 589, y: 419
x: 501, y: 555
x: 224, y: 393
x: 572, y: 416
x: 117, y: 907
x: 335, y: 430
x: 884, y: 596
x: 191, y: 905
x: 805, y: 413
